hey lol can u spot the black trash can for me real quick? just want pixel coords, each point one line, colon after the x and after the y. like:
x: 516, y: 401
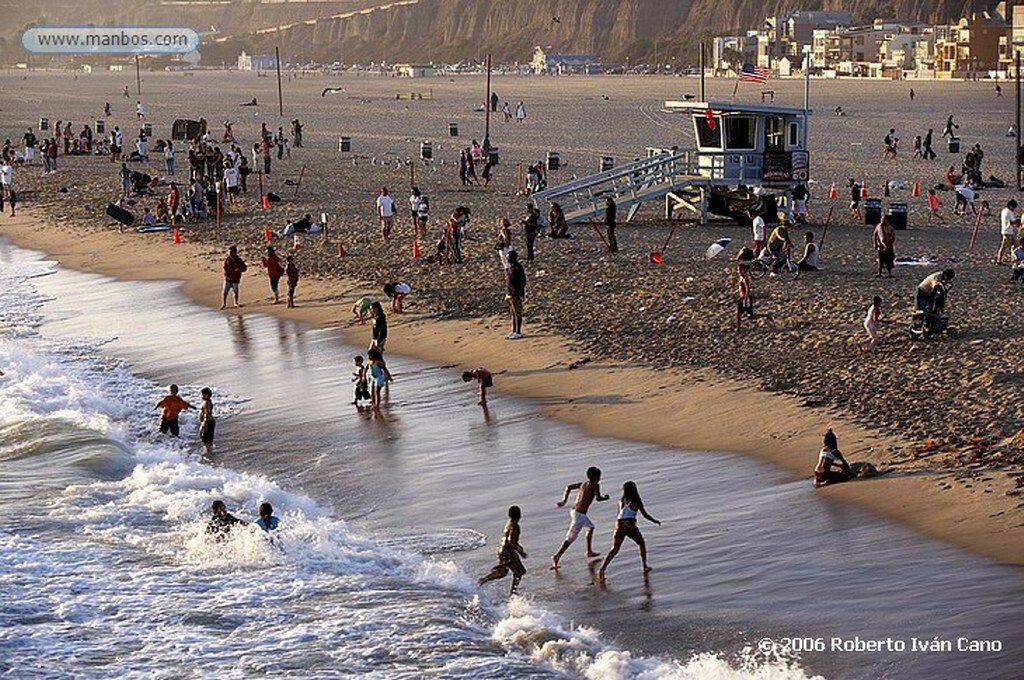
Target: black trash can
x: 148, y: 129
x: 954, y: 145
x: 898, y: 215
x: 426, y: 151
x: 453, y: 129
x: 101, y: 127
x: 44, y: 123
x: 607, y: 163
x: 492, y: 155
x: 553, y: 160
x: 872, y: 211
x: 344, y: 144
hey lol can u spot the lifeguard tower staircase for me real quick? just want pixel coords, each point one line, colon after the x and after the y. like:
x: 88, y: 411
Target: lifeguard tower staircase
x: 739, y: 148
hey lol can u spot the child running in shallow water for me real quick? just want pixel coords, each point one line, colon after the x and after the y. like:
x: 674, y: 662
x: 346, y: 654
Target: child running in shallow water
x: 625, y: 527
x: 509, y: 552
x: 587, y: 492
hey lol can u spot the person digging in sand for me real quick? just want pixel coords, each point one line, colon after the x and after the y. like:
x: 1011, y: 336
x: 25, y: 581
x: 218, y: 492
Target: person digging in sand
x: 482, y: 376
x: 587, y: 492
x: 828, y: 457
x: 625, y: 527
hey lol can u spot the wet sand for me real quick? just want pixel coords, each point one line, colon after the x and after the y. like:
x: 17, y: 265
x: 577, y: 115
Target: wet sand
x: 694, y: 383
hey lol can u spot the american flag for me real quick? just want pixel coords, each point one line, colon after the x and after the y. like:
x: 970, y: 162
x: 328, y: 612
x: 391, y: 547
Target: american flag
x: 754, y: 74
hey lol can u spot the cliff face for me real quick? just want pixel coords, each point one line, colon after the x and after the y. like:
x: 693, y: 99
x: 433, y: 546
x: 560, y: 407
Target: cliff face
x: 454, y: 30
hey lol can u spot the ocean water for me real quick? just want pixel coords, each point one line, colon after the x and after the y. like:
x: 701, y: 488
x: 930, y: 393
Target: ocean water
x: 387, y: 522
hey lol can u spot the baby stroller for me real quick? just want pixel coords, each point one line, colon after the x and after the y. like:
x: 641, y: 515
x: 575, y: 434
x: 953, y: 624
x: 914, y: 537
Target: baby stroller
x: 933, y: 319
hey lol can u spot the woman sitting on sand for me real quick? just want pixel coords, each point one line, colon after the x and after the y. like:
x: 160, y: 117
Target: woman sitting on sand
x: 556, y: 220
x: 827, y: 458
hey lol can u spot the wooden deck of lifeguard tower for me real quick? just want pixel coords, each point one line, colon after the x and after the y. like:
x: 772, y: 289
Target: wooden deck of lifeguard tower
x: 772, y: 155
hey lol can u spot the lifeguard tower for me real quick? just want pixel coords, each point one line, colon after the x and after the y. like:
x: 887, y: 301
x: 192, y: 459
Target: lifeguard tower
x: 739, y: 149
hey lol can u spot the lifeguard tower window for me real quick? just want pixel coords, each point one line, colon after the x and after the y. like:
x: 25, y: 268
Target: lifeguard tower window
x: 794, y: 136
x: 740, y: 133
x: 773, y: 134
x: 710, y: 137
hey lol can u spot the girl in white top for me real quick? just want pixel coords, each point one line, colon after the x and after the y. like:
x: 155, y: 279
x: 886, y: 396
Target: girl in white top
x: 625, y: 526
x: 871, y: 322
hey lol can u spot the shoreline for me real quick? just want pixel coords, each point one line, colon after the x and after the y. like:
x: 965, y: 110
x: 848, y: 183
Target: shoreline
x: 692, y: 410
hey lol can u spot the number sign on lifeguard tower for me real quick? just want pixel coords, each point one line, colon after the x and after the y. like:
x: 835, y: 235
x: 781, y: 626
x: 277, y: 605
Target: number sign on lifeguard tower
x: 748, y: 144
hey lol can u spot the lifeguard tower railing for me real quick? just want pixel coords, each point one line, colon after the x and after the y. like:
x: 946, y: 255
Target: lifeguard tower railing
x: 681, y: 178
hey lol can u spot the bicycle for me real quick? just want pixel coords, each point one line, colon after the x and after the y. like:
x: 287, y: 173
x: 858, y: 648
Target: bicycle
x: 760, y: 266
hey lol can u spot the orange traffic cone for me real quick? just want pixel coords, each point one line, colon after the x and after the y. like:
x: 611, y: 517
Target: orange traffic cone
x: 916, y: 193
x: 885, y: 190
x: 177, y: 235
x: 296, y: 242
x: 268, y: 235
x: 415, y: 248
x: 864, y: 190
x: 266, y: 202
x: 833, y: 192
x: 341, y: 250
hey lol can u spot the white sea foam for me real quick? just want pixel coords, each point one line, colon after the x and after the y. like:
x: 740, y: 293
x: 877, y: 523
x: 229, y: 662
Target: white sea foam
x: 582, y: 652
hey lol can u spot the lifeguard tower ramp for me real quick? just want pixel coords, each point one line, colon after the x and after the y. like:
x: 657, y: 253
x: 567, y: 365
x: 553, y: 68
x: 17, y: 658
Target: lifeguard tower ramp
x: 629, y: 185
x: 739, y: 148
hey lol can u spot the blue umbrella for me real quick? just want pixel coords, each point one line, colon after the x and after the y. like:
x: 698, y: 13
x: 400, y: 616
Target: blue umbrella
x: 717, y: 247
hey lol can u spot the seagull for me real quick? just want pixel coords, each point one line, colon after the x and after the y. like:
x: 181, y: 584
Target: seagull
x: 332, y: 90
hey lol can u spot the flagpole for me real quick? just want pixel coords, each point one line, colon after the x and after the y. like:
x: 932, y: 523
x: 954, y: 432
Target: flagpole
x: 807, y: 94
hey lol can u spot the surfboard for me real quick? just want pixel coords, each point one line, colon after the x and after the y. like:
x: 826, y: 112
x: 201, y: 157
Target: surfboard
x: 120, y: 214
x: 154, y: 228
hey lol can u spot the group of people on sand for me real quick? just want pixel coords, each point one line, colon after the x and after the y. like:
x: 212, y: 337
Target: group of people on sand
x: 511, y: 552
x: 234, y: 266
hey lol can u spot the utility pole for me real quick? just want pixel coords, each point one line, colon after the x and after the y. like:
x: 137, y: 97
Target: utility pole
x: 280, y: 99
x: 1016, y: 139
x: 487, y: 103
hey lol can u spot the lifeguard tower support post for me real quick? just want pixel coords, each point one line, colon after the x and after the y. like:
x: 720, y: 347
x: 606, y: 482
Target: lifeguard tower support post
x: 738, y: 148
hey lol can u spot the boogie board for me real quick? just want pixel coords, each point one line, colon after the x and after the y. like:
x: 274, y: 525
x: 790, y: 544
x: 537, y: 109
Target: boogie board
x: 120, y: 214
x: 154, y: 228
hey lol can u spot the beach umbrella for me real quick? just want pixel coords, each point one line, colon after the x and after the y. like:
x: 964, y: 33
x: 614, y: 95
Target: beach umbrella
x: 717, y: 247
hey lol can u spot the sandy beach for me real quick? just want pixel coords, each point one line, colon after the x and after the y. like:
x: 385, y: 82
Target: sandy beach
x: 615, y: 344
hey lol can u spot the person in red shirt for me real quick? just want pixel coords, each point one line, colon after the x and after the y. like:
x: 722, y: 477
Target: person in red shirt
x: 233, y: 268
x: 170, y: 406
x: 272, y: 263
x: 174, y: 202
